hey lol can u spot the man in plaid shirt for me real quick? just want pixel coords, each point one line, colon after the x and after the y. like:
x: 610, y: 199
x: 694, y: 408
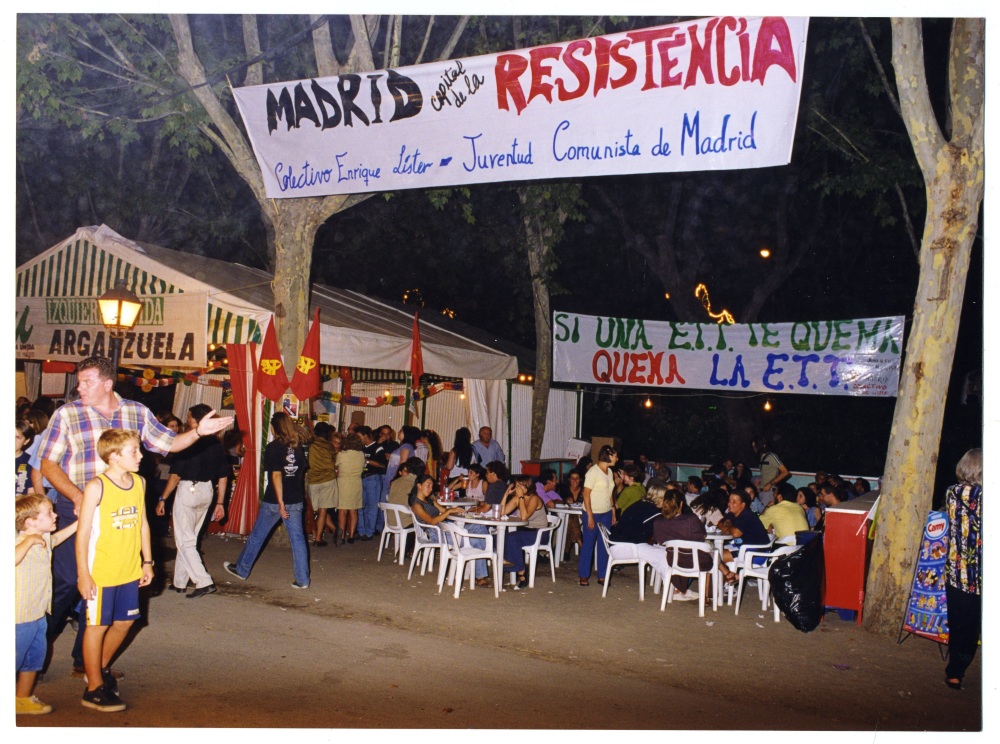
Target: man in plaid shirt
x: 68, y: 453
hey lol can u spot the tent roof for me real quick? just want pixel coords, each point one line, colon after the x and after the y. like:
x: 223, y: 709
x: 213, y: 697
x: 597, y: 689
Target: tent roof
x: 356, y: 330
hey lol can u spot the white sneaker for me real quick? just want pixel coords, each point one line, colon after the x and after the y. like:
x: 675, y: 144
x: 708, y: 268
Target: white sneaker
x: 691, y: 594
x: 682, y: 596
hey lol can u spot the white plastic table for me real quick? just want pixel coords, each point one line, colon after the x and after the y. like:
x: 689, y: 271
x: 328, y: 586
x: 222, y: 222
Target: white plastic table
x: 717, y: 541
x: 503, y: 524
x: 564, y: 511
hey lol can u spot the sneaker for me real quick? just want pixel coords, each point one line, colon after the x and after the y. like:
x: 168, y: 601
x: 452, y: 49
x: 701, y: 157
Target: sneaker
x: 32, y: 706
x: 297, y: 585
x: 202, y: 591
x: 101, y: 699
x: 108, y: 679
x: 231, y: 568
x: 683, y: 596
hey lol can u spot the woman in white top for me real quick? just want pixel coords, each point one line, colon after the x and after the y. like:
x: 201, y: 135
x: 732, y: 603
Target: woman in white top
x: 598, y: 503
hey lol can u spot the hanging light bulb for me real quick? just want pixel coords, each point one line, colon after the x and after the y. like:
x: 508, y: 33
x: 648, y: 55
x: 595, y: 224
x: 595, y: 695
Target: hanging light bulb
x: 767, y: 404
x: 765, y: 252
x: 648, y: 403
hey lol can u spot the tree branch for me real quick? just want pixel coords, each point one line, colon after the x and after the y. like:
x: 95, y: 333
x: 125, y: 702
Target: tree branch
x: 449, y: 48
x: 251, y: 42
x: 423, y: 45
x: 966, y: 80
x: 914, y: 98
x: 914, y: 240
x: 878, y: 66
x: 237, y: 150
x: 360, y: 58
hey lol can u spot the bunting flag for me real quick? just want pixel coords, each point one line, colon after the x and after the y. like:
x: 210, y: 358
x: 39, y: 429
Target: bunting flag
x: 305, y: 380
x: 272, y: 381
x: 416, y: 354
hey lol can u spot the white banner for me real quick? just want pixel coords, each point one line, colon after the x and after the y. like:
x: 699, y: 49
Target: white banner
x: 170, y: 332
x: 713, y: 94
x: 826, y: 357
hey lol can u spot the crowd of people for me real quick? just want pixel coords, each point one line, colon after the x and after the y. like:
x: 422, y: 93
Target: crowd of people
x: 78, y: 486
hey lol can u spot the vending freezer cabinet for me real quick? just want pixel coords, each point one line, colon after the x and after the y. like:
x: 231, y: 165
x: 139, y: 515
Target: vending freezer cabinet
x: 846, y: 553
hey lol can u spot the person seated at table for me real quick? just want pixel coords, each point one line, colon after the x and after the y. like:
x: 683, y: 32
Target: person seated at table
x: 572, y: 493
x: 635, y: 525
x: 430, y: 511
x: 744, y: 526
x: 426, y: 509
x: 402, y: 485
x: 497, y: 476
x: 710, y: 506
x: 831, y: 494
x: 693, y: 489
x: 471, y: 484
x: 784, y: 517
x: 546, y: 488
x: 674, y: 523
x: 521, y: 501
x: 806, y: 498
x: 633, y: 491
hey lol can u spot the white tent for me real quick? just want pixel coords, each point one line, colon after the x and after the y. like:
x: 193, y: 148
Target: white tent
x: 229, y: 302
x: 192, y: 301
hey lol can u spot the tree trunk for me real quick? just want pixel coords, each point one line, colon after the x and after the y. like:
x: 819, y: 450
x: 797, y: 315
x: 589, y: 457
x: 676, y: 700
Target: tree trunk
x: 953, y: 173
x: 295, y: 224
x: 544, y: 211
x: 543, y: 337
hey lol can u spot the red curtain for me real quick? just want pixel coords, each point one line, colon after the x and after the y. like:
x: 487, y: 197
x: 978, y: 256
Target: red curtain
x: 244, y: 505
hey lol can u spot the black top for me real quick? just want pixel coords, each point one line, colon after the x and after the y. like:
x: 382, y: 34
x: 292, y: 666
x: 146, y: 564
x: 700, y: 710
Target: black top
x: 635, y: 525
x: 205, y: 460
x: 375, y: 459
x: 494, y: 492
x: 291, y: 463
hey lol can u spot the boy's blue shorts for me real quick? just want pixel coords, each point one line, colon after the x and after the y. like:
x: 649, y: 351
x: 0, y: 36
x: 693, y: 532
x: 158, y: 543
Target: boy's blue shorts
x: 114, y: 603
x: 30, y: 645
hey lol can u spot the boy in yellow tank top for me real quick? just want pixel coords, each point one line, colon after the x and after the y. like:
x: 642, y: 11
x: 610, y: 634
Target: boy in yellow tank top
x: 113, y: 533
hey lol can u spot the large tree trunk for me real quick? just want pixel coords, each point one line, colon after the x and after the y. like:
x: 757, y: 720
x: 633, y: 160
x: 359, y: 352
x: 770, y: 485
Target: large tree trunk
x: 543, y: 335
x: 295, y: 223
x: 953, y: 173
x: 544, y: 211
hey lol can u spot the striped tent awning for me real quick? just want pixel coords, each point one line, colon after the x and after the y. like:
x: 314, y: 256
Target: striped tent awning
x: 82, y: 269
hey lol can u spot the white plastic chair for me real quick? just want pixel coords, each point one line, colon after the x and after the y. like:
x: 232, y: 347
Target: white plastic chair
x: 394, y: 526
x: 461, y: 556
x: 739, y: 561
x: 612, y: 561
x: 429, y: 537
x: 758, y: 569
x: 674, y: 555
x: 542, y: 544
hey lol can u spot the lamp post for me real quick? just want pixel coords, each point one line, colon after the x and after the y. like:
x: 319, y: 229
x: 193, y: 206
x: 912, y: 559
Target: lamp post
x: 119, y: 312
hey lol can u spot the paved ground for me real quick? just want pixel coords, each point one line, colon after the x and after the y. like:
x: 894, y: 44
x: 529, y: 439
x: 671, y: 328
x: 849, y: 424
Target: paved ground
x: 366, y: 648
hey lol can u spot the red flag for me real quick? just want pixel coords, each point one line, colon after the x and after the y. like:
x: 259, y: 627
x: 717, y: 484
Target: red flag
x: 272, y: 381
x: 305, y: 379
x: 416, y: 355
x: 345, y: 377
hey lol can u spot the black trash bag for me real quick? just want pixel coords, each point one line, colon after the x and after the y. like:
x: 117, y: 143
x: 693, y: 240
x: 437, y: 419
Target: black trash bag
x: 796, y: 585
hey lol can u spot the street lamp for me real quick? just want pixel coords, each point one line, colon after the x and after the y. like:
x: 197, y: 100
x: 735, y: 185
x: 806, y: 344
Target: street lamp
x: 119, y: 311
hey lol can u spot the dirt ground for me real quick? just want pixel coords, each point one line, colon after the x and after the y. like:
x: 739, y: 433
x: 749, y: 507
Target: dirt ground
x: 364, y: 647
